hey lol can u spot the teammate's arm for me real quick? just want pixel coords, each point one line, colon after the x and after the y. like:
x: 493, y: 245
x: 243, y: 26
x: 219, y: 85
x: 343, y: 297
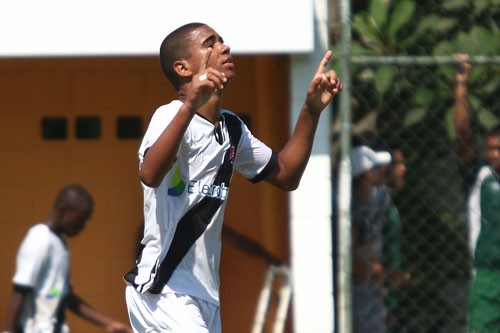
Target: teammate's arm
x: 86, y: 311
x: 14, y: 308
x: 466, y: 141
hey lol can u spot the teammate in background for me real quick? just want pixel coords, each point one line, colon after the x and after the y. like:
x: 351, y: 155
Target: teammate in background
x: 370, y: 204
x: 483, y: 208
x: 186, y: 160
x: 42, y: 288
x: 397, y: 279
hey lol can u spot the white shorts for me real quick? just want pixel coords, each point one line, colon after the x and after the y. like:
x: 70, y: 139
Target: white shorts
x: 170, y: 312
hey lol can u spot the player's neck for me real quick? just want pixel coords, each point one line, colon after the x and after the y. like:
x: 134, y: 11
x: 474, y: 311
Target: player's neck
x: 52, y: 226
x: 211, y: 110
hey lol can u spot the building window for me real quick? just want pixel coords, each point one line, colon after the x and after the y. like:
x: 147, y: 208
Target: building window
x: 129, y: 127
x: 88, y: 127
x: 54, y: 128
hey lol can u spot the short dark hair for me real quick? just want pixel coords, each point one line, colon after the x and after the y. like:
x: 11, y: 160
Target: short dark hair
x: 175, y: 47
x: 72, y: 196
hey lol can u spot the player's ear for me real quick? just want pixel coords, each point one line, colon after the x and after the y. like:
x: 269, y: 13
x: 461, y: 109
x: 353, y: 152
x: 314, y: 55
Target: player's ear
x: 182, y: 68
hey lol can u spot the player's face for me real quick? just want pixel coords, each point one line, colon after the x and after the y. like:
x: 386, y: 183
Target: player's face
x: 205, y: 37
x: 493, y: 152
x: 73, y: 220
x: 397, y: 170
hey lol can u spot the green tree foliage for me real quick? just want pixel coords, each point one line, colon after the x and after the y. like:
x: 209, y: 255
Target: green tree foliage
x: 439, y: 28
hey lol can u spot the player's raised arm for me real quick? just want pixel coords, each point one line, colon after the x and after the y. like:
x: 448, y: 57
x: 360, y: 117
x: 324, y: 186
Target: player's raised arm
x: 292, y: 159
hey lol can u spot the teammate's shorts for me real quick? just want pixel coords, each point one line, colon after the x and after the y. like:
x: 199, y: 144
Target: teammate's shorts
x: 171, y: 312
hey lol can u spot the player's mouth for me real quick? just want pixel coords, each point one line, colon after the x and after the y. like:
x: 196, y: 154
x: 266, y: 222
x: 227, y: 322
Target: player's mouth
x: 228, y: 63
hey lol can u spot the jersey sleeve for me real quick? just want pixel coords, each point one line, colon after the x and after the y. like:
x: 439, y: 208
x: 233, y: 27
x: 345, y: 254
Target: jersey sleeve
x: 254, y: 159
x: 31, y: 257
x: 160, y: 120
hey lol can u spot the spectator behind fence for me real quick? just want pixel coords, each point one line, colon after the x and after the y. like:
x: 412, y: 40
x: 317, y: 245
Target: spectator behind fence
x: 483, y: 207
x: 42, y: 288
x: 186, y: 161
x: 392, y: 257
x: 370, y: 204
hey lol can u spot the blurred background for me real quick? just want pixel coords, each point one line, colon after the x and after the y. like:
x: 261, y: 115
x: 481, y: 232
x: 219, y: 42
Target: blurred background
x: 403, y: 81
x: 81, y: 121
x: 81, y: 118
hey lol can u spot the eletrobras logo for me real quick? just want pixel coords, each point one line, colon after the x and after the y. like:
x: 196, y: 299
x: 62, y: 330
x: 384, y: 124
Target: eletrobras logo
x: 208, y: 190
x: 178, y: 184
x: 54, y: 293
x: 197, y: 187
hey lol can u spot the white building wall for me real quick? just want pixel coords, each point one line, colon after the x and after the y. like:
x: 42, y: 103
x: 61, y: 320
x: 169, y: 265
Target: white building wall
x: 311, y: 208
x: 133, y: 27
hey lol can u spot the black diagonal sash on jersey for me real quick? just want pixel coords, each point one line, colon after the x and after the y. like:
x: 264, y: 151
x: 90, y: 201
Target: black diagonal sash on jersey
x: 192, y: 225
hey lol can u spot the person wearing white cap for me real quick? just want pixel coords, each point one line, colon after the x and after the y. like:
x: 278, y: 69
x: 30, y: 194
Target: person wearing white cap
x: 364, y: 159
x: 370, y: 204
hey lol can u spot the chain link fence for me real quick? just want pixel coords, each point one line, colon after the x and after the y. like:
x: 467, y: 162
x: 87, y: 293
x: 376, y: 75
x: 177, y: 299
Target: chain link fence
x: 403, y: 95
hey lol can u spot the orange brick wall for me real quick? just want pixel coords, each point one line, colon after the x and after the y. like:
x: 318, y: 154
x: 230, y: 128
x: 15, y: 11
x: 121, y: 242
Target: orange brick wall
x: 33, y: 169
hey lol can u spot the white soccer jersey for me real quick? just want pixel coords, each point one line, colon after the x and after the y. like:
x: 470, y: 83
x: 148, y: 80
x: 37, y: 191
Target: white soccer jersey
x: 43, y: 264
x: 183, y: 215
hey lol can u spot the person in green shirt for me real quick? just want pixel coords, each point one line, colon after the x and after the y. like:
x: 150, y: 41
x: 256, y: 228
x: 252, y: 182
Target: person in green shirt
x: 483, y: 209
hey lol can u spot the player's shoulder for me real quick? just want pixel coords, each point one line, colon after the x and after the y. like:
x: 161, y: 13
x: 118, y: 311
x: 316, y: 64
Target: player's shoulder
x: 174, y: 104
x: 39, y: 229
x: 228, y: 112
x: 232, y: 118
x: 39, y: 235
x: 168, y: 110
x: 161, y: 117
x: 484, y: 172
x: 489, y: 177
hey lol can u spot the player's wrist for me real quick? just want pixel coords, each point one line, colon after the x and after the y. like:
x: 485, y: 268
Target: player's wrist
x: 189, y: 107
x: 311, y: 112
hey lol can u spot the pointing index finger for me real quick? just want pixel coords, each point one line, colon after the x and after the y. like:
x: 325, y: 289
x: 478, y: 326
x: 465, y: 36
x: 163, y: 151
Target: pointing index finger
x: 324, y: 62
x: 204, y: 60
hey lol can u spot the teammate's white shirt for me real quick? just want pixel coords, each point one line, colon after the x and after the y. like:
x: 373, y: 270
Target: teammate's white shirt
x: 183, y: 195
x: 474, y: 207
x: 43, y: 263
